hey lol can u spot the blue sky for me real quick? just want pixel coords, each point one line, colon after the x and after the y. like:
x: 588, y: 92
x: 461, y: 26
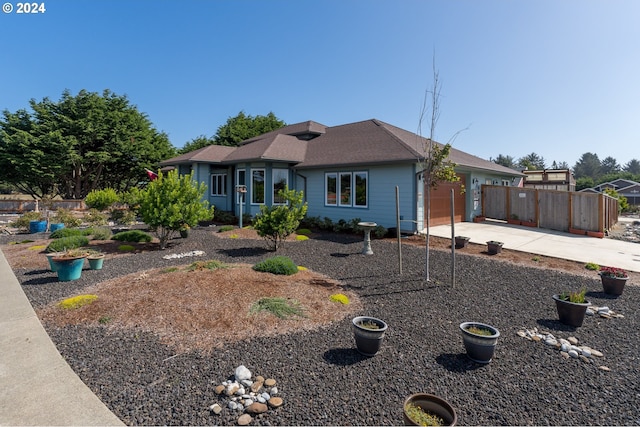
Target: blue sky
x: 558, y: 78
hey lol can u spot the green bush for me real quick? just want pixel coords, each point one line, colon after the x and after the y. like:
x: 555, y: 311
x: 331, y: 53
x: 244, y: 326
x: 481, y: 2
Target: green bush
x: 66, y: 217
x: 101, y: 199
x: 275, y: 223
x: 126, y: 248
x: 225, y: 228
x: 66, y: 232
x: 303, y: 231
x: 277, y: 265
x: 64, y: 243
x: 123, y: 216
x: 23, y: 221
x: 132, y: 236
x: 95, y: 217
x: 101, y: 233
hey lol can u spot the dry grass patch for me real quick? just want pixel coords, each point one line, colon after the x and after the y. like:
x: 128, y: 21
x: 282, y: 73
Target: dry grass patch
x: 203, y: 309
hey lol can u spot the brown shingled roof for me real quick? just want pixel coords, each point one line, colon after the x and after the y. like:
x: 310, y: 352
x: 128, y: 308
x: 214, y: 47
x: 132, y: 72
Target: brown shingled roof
x: 208, y: 154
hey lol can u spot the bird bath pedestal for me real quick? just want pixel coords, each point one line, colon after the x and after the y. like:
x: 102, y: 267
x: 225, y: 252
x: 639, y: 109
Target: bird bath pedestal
x: 367, y: 227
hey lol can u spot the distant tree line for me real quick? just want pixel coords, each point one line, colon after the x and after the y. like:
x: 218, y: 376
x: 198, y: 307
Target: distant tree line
x: 589, y: 170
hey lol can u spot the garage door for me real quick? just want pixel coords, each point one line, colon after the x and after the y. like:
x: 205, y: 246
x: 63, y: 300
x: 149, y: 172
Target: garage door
x: 441, y: 202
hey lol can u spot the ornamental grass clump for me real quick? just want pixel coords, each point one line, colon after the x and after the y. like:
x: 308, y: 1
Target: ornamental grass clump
x: 341, y: 298
x: 225, y: 228
x: 613, y: 272
x: 101, y: 233
x: 66, y: 232
x: 211, y: 264
x: 77, y: 301
x: 592, y: 266
x: 578, y: 297
x: 64, y: 243
x: 132, y: 236
x: 277, y: 265
x: 480, y: 331
x: 279, y: 307
x: 422, y: 417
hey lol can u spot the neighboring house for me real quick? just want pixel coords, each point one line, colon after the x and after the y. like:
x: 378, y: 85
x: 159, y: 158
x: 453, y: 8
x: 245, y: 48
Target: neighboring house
x: 624, y: 187
x: 348, y: 171
x: 550, y: 179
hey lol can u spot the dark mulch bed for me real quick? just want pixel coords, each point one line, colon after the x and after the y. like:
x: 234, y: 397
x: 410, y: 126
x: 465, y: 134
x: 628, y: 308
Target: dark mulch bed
x: 324, y: 381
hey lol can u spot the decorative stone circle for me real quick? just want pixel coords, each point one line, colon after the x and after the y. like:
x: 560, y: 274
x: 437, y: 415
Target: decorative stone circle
x: 247, y: 395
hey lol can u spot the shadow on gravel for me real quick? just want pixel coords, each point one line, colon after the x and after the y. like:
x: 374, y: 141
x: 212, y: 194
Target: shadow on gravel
x: 601, y: 295
x: 340, y: 255
x: 244, y: 252
x: 556, y: 325
x: 343, y: 356
x: 36, y: 272
x: 458, y: 362
x: 40, y: 281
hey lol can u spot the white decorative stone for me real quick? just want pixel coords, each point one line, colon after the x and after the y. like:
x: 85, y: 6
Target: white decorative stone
x: 550, y: 341
x: 604, y: 368
x: 576, y: 349
x: 242, y: 373
x: 603, y: 310
x: 564, y: 341
x: 522, y: 334
x: 273, y: 391
x: 565, y: 347
x: 586, y: 352
x: 247, y: 383
x: 265, y: 396
x: 573, y: 354
x: 215, y: 408
x: 262, y: 399
x: 596, y: 353
x: 573, y: 340
x: 589, y: 312
x: 240, y: 391
x: 233, y: 405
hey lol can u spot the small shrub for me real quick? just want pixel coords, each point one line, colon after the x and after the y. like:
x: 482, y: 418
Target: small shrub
x: 104, y: 320
x: 101, y: 233
x: 225, y: 228
x: 302, y: 238
x: 233, y: 236
x: 303, y: 232
x: 23, y: 221
x: 101, y: 199
x: 279, y: 307
x: 77, y: 301
x: 66, y: 232
x: 123, y: 216
x: 535, y: 259
x: 341, y: 298
x: 66, y: 217
x: 301, y: 268
x: 275, y: 223
x: 37, y: 247
x: 132, y: 236
x: 95, y: 217
x: 380, y: 231
x: 277, y: 265
x: 126, y: 248
x: 211, y: 264
x: 592, y: 266
x: 70, y: 242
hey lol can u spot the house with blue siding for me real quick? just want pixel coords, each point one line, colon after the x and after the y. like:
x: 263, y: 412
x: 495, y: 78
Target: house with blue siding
x: 346, y: 171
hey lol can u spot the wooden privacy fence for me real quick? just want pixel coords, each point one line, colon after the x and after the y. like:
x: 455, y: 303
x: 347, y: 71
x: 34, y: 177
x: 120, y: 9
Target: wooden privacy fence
x: 21, y: 206
x: 569, y: 211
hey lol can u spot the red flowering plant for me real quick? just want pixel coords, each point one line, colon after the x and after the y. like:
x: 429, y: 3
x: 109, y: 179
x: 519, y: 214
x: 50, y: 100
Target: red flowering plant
x: 613, y: 272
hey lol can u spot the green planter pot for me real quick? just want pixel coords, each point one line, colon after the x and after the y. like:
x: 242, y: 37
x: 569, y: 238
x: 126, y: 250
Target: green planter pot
x: 68, y: 269
x: 50, y: 257
x: 95, y: 263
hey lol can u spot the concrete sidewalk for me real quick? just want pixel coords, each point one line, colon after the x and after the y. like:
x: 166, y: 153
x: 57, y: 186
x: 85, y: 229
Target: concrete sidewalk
x: 37, y: 386
x: 609, y: 252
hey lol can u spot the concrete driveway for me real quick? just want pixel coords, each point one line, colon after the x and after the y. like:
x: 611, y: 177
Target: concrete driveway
x: 609, y: 252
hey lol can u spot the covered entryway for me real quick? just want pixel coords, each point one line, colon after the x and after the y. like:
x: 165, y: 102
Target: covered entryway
x: 441, y: 202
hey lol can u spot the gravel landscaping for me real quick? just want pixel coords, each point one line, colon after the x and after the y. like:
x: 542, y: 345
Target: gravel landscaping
x: 323, y: 380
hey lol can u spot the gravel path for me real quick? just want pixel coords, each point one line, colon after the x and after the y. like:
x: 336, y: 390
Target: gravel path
x: 324, y: 381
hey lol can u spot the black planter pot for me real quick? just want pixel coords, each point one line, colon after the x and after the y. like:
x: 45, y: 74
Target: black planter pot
x: 480, y: 348
x: 571, y: 313
x: 494, y: 247
x: 461, y: 242
x: 613, y: 285
x: 368, y: 341
x: 433, y: 404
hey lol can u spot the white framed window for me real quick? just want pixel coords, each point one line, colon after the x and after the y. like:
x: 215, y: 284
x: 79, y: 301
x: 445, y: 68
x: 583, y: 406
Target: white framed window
x: 218, y: 184
x: 345, y: 188
x: 280, y: 179
x: 241, y: 179
x: 360, y: 181
x: 330, y: 189
x: 506, y: 182
x: 257, y: 186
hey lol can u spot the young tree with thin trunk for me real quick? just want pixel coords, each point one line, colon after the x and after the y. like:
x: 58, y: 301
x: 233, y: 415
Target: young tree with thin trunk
x: 435, y: 165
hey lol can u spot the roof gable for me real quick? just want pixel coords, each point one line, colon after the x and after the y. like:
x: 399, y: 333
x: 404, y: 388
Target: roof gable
x: 208, y: 154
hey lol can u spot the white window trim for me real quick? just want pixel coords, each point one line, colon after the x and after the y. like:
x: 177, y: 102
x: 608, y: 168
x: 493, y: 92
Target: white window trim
x: 366, y: 189
x: 339, y: 189
x: 238, y: 195
x: 273, y: 184
x: 326, y: 188
x: 264, y: 188
x: 214, y: 188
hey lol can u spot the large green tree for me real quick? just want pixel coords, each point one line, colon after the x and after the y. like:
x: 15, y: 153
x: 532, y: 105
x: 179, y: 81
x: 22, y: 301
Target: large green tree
x: 78, y: 144
x: 632, y: 166
x: 588, y: 166
x: 243, y: 127
x: 532, y: 162
x: 609, y: 165
x: 506, y: 161
x: 195, y: 144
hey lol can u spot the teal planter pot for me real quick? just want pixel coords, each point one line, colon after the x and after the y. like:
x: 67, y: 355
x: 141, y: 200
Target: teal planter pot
x: 37, y: 226
x: 68, y: 269
x: 50, y: 257
x: 56, y: 226
x: 95, y: 263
